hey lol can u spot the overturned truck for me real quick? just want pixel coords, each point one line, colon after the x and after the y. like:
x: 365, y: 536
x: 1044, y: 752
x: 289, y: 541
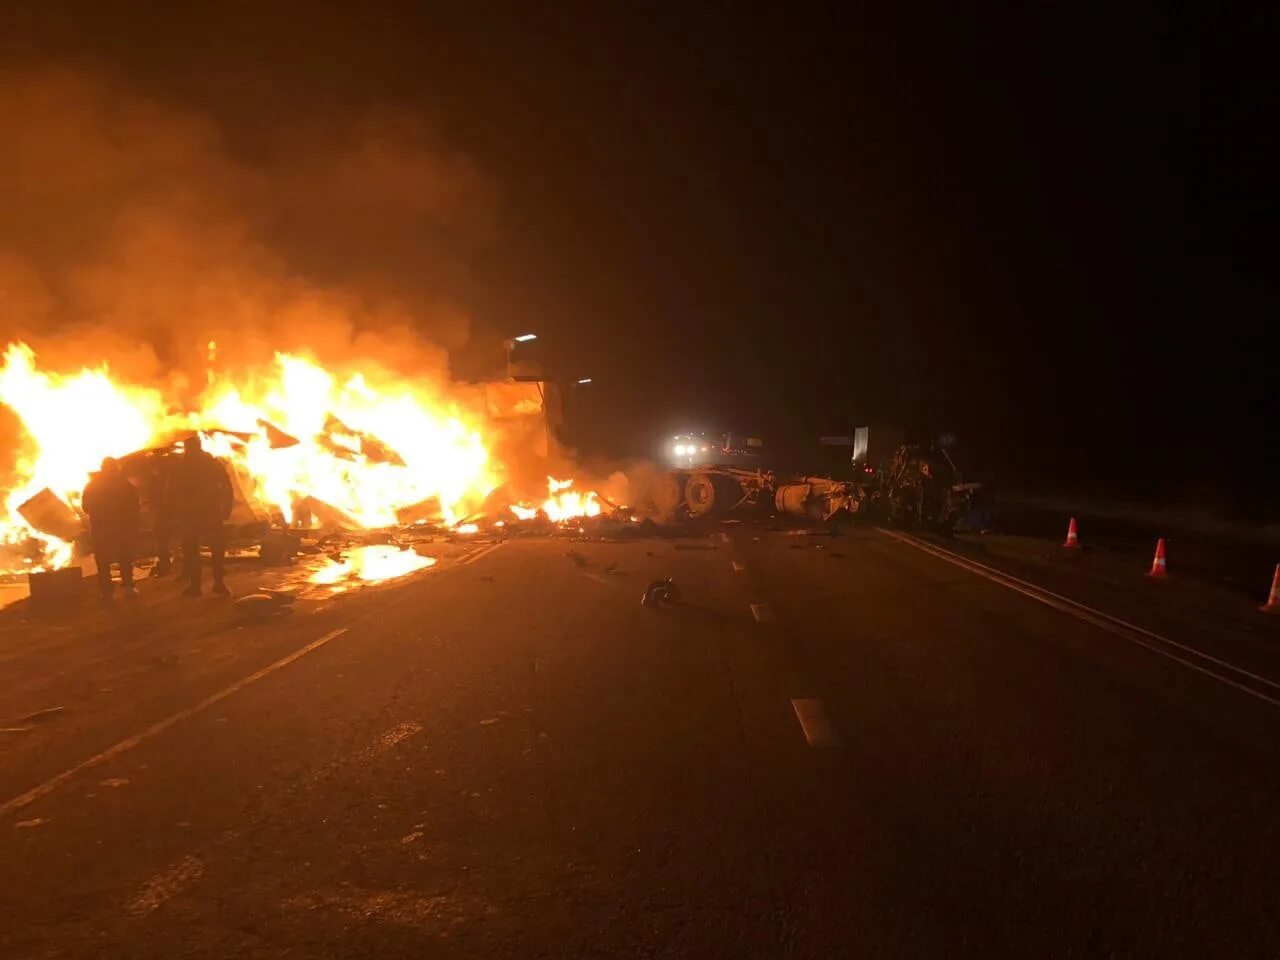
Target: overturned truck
x: 711, y: 491
x: 916, y: 486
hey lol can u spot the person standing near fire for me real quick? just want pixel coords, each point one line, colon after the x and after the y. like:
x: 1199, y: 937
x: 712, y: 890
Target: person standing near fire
x: 198, y: 498
x: 162, y: 517
x: 111, y: 503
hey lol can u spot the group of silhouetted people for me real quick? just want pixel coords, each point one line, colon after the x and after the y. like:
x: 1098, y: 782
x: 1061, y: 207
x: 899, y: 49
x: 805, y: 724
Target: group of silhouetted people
x: 191, y: 499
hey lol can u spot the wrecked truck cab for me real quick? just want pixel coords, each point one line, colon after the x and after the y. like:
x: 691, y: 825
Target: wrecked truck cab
x: 249, y: 520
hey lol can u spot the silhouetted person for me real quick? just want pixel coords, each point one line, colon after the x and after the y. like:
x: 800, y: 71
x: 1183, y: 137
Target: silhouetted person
x: 198, y: 497
x: 162, y: 514
x: 112, y: 506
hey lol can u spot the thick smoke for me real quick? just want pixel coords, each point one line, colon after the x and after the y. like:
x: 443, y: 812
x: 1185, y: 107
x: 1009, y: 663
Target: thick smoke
x: 133, y: 231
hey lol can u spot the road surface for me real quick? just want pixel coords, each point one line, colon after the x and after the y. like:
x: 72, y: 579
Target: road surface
x: 829, y: 747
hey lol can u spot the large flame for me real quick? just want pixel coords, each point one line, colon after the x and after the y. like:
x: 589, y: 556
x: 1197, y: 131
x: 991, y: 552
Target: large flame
x: 376, y: 562
x: 369, y: 452
x: 299, y: 435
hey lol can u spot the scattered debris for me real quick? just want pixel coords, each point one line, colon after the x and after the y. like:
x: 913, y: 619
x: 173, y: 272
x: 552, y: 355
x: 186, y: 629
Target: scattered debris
x: 264, y: 606
x: 16, y: 729
x: 490, y: 722
x: 34, y: 822
x: 660, y: 591
x: 329, y: 516
x: 50, y: 514
x: 56, y: 589
x: 114, y: 782
x: 278, y: 548
x: 576, y: 557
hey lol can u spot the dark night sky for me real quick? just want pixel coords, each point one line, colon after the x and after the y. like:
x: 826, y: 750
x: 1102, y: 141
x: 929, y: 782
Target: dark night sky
x: 1045, y: 230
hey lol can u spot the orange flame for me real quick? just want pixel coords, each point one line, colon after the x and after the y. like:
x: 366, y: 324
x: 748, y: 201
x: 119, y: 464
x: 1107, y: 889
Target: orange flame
x: 356, y: 448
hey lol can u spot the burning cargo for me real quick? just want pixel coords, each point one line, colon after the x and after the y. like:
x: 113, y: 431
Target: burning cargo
x: 358, y: 449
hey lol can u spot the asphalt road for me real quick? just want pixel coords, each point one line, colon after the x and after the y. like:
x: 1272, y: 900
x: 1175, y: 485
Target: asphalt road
x: 509, y: 756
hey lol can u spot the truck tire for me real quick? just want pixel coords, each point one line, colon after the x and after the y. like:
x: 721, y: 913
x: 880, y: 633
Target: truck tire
x: 710, y: 493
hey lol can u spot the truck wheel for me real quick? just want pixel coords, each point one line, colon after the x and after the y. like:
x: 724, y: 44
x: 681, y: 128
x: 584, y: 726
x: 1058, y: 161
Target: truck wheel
x: 708, y: 493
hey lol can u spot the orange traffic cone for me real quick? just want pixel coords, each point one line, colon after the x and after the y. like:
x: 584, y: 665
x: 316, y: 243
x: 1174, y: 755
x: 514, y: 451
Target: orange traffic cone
x: 1158, y: 564
x: 1073, y: 539
x: 1273, y: 602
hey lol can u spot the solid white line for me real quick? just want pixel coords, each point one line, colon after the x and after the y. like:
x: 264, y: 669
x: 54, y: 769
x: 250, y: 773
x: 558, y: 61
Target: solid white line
x: 760, y: 612
x: 1104, y: 621
x: 814, y: 723
x: 157, y: 728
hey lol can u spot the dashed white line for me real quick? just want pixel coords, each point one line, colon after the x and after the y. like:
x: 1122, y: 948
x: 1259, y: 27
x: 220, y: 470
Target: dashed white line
x: 814, y: 723
x: 401, y: 732
x: 157, y: 728
x: 165, y: 884
x: 480, y: 553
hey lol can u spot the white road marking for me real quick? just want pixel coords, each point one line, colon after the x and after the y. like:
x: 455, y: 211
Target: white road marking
x: 598, y: 578
x: 1104, y: 621
x: 737, y: 567
x: 401, y: 732
x: 157, y: 728
x: 761, y: 612
x: 814, y: 723
x: 480, y: 553
x: 165, y: 884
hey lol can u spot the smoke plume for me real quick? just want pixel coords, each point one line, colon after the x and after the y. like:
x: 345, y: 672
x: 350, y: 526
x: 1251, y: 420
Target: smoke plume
x: 135, y: 231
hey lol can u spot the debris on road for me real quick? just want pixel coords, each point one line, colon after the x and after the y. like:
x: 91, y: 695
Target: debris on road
x: 55, y: 589
x: 660, y: 591
x: 264, y: 606
x: 48, y: 513
x: 576, y: 557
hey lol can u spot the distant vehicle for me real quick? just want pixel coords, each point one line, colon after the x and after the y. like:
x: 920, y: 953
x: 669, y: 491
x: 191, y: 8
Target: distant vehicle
x: 702, y: 448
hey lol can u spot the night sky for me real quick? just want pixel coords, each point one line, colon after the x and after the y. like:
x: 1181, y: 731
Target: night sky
x: 1049, y: 232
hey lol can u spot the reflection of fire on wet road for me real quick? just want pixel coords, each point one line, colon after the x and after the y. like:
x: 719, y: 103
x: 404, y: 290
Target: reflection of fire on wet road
x: 370, y: 564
